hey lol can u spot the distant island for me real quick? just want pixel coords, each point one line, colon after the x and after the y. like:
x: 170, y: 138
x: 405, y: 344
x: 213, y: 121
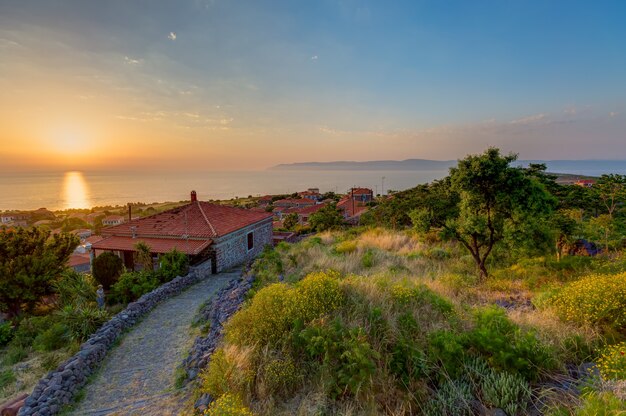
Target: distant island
x: 588, y: 167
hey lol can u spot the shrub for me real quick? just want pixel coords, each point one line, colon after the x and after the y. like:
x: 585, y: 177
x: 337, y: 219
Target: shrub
x: 82, y: 321
x: 75, y: 289
x: 454, y: 398
x: 345, y: 355
x: 14, y: 354
x: 106, y: 269
x: 51, y: 361
x: 30, y: 327
x: 275, y: 308
x: 437, y: 253
x: 281, y: 375
x: 228, y: 405
x: 505, y: 391
x: 346, y: 247
x: 595, y: 299
x: 612, y: 362
x: 52, y: 338
x: 506, y: 346
x: 6, y: 377
x: 227, y: 372
x: 448, y: 350
x: 6, y: 333
x: 604, y: 403
x: 268, y: 266
x: 172, y: 264
x: 408, y: 361
x: 367, y: 260
x: 131, y: 285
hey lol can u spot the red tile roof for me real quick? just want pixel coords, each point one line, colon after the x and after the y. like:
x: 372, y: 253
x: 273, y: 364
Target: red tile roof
x: 305, y: 210
x: 157, y: 245
x: 352, y: 209
x: 298, y: 201
x: 360, y: 191
x: 78, y: 259
x: 197, y: 219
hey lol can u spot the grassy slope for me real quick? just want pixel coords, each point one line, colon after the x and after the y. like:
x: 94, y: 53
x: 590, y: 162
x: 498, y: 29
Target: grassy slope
x: 409, y: 303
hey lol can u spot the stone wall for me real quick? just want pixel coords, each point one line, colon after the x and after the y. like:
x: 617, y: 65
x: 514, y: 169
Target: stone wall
x: 59, y: 386
x: 221, y: 307
x: 232, y: 249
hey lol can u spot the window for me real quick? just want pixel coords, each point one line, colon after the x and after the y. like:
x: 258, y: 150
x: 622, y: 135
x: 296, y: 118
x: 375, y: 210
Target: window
x: 250, y: 241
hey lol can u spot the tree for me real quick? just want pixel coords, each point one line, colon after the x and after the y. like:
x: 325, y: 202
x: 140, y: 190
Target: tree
x: 327, y: 218
x: 611, y: 189
x: 106, y: 268
x: 290, y: 221
x: 495, y: 201
x: 30, y: 262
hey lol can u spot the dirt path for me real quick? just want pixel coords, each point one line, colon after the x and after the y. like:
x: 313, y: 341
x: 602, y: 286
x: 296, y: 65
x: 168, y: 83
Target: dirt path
x: 138, y: 375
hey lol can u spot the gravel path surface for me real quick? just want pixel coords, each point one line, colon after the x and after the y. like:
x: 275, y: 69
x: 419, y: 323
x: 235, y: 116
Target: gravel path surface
x: 137, y: 378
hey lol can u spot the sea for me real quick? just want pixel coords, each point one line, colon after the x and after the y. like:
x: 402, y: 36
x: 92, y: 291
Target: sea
x: 75, y: 189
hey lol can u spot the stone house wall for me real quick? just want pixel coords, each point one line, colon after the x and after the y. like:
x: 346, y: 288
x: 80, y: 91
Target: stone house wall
x: 232, y: 249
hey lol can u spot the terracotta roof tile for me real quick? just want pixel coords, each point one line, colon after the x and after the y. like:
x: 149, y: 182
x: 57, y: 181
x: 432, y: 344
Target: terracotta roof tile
x: 157, y: 245
x: 197, y: 219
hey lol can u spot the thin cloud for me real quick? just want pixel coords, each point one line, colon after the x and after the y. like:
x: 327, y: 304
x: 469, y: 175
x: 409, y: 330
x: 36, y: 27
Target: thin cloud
x: 314, y: 58
x: 529, y: 119
x: 613, y: 114
x: 132, y: 61
x: 172, y: 36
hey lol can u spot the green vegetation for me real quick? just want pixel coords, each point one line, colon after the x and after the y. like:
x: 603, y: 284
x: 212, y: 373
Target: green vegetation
x: 107, y: 267
x: 465, y: 294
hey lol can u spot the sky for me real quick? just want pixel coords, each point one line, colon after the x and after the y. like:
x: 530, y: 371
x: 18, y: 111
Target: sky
x: 242, y: 85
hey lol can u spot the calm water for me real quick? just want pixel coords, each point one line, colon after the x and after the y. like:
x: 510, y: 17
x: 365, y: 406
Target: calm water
x: 84, y: 189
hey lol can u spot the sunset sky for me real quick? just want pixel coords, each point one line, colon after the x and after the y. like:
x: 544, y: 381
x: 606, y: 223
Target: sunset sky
x: 216, y: 84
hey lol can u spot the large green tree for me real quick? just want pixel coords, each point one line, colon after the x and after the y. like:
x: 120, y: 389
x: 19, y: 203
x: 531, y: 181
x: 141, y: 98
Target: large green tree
x: 495, y: 201
x: 31, y: 260
x: 327, y: 218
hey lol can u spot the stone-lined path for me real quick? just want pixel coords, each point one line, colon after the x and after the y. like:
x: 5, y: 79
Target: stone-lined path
x: 137, y: 377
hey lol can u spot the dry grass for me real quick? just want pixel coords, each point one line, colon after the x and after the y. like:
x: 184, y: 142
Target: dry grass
x: 387, y: 240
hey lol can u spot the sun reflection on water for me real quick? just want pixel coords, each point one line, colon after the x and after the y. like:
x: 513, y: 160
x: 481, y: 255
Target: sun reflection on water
x: 75, y: 191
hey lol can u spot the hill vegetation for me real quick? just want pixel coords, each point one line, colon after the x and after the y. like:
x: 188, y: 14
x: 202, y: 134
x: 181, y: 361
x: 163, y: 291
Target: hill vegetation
x: 459, y: 297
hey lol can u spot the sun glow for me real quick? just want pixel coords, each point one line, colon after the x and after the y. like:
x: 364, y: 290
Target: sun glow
x: 75, y: 191
x: 70, y: 142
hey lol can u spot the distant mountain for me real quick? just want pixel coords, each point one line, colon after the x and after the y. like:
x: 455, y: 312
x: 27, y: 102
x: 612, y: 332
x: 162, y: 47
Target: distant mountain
x: 586, y: 167
x: 409, y: 164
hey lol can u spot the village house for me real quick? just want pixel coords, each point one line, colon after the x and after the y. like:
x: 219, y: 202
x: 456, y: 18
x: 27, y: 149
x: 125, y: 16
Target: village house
x: 294, y: 203
x: 303, y: 213
x: 361, y: 194
x: 311, y: 193
x: 14, y: 218
x: 586, y: 183
x: 225, y: 235
x: 113, y: 220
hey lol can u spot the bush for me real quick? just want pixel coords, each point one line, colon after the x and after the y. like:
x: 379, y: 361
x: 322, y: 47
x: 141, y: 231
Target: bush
x: 454, y: 398
x: 6, y: 377
x: 506, y: 346
x: 6, y: 333
x: 106, y: 269
x: 30, y: 327
x: 345, y: 355
x: 82, y: 321
x: 281, y: 375
x: 275, y: 309
x: 346, y: 247
x: 595, y: 299
x: 131, y: 285
x: 612, y: 362
x: 367, y: 260
x: 14, y: 354
x: 226, y: 374
x: 505, y: 391
x: 52, y: 338
x: 172, y: 264
x: 604, y: 403
x: 228, y: 405
x: 75, y: 289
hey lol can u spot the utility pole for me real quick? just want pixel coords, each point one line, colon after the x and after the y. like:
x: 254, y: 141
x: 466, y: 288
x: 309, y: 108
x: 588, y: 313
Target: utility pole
x: 382, y: 189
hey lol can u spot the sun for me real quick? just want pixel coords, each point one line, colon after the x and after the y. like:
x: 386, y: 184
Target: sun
x: 70, y: 142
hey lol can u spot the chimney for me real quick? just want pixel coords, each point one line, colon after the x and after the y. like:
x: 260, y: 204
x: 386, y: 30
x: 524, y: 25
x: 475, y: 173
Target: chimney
x: 194, y: 197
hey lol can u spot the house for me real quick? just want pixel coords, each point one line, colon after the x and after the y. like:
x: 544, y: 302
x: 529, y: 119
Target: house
x: 225, y: 235
x: 265, y: 200
x: 352, y: 209
x: 586, y: 183
x: 80, y: 262
x: 361, y: 194
x: 112, y: 220
x: 15, y: 218
x: 303, y: 213
x: 82, y: 233
x: 294, y: 203
x: 311, y: 193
